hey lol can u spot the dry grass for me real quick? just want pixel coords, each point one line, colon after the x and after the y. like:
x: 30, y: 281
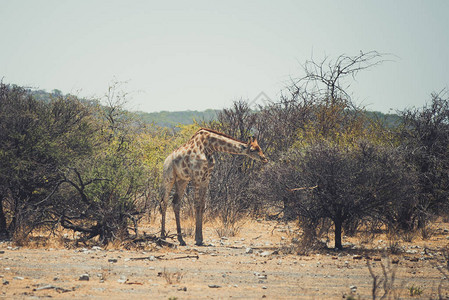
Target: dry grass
x: 188, y: 226
x: 57, y: 238
x: 172, y: 277
x: 228, y: 229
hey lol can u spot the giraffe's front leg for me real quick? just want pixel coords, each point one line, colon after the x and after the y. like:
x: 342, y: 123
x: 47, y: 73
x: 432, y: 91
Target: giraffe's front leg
x: 177, y: 199
x: 168, y: 185
x: 200, y: 193
x: 163, y: 213
x: 177, y: 208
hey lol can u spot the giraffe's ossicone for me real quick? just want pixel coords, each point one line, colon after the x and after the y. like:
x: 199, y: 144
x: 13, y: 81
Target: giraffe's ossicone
x: 194, y: 162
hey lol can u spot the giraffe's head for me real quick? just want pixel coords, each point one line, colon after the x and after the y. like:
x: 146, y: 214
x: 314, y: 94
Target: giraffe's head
x: 254, y: 151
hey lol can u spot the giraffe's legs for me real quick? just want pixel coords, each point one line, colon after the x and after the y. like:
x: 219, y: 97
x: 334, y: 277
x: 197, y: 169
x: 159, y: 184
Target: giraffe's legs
x: 180, y: 186
x: 200, y: 193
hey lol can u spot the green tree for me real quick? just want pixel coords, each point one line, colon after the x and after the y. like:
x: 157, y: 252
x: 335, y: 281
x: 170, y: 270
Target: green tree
x: 37, y: 138
x: 105, y: 187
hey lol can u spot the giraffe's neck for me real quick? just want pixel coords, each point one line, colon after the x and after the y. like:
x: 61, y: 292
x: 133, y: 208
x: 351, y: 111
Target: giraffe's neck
x: 216, y: 142
x: 227, y: 145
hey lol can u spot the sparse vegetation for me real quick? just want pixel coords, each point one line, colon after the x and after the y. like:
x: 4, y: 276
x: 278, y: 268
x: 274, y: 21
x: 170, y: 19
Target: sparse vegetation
x: 415, y: 290
x: 225, y: 230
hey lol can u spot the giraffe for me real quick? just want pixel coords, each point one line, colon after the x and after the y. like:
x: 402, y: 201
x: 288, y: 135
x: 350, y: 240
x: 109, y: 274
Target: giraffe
x: 194, y: 162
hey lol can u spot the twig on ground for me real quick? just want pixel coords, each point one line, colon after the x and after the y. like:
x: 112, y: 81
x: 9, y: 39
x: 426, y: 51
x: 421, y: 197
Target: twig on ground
x: 303, y: 188
x: 155, y: 239
x: 161, y: 257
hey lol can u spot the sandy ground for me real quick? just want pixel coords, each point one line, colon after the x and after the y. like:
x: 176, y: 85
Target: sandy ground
x: 251, y: 265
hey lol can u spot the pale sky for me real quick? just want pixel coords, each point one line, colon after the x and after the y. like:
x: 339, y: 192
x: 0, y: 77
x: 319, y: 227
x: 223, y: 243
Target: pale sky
x: 195, y: 55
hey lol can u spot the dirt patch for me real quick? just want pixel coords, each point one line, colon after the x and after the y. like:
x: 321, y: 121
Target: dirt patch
x: 249, y: 266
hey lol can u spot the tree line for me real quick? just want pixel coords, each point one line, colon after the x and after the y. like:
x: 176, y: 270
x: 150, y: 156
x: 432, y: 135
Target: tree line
x: 94, y: 168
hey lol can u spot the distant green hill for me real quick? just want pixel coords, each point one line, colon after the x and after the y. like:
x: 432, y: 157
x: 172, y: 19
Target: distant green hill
x: 163, y: 118
x: 390, y: 120
x: 171, y: 119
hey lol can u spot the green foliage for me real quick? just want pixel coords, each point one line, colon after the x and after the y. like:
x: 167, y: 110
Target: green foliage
x: 37, y: 138
x: 415, y: 290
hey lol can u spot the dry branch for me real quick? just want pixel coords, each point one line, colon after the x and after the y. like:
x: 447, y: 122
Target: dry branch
x: 161, y: 257
x: 303, y: 188
x: 155, y: 239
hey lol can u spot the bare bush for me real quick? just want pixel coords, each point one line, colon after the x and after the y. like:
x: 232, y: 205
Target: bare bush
x: 386, y: 280
x: 342, y: 184
x: 229, y: 199
x: 425, y: 139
